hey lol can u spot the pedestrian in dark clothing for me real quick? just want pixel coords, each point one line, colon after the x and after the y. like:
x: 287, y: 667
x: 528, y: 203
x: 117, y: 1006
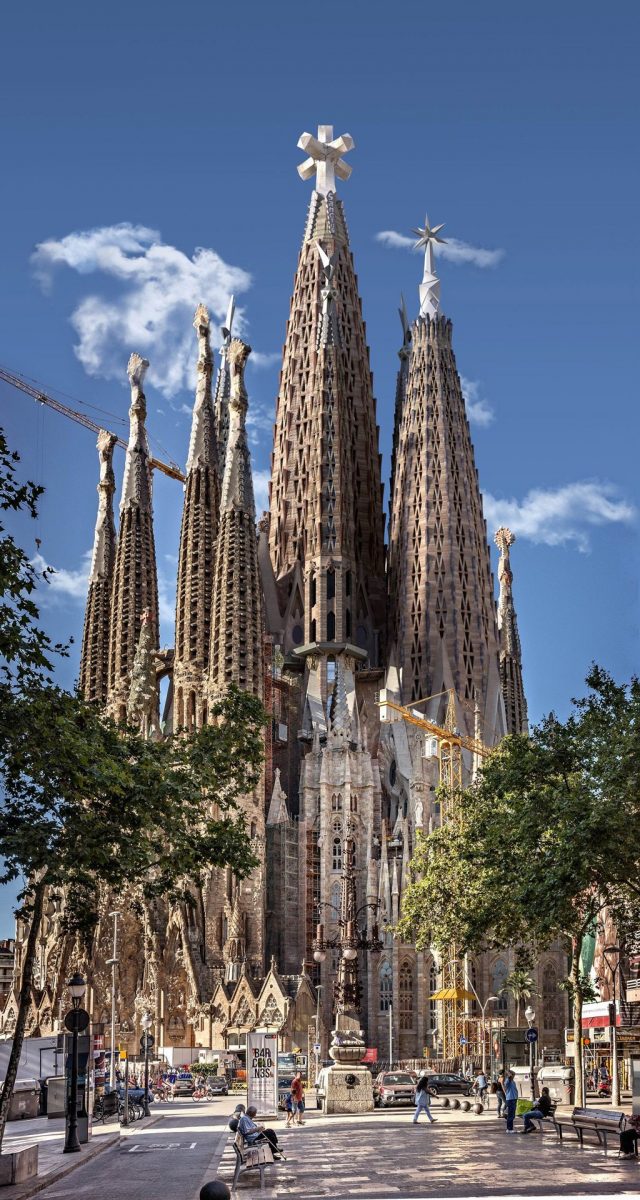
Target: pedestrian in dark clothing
x: 500, y: 1096
x: 540, y: 1110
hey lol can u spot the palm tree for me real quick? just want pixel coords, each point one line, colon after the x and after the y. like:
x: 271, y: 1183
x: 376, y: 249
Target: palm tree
x: 519, y: 985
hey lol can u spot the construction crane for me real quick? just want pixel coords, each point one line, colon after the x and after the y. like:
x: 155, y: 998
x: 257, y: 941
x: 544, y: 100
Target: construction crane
x: 453, y: 996
x: 17, y: 381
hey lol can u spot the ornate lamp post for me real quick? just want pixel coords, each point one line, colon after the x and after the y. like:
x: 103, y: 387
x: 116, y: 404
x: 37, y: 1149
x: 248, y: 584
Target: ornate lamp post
x: 350, y: 940
x: 76, y: 1021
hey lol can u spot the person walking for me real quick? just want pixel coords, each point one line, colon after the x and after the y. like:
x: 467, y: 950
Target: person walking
x: 297, y: 1091
x: 511, y: 1098
x: 289, y: 1105
x: 500, y: 1096
x: 423, y: 1100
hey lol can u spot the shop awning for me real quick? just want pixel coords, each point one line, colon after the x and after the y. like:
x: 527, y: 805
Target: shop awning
x: 452, y: 993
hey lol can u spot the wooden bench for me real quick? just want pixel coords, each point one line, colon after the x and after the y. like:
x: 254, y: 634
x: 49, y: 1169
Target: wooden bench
x: 251, y: 1158
x: 601, y: 1121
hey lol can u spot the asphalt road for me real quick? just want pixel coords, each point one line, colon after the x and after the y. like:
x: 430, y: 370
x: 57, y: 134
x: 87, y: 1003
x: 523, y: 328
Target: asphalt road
x: 166, y: 1161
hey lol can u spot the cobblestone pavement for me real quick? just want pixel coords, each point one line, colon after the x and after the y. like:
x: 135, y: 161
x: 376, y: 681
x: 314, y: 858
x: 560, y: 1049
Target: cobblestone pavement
x: 383, y: 1155
x: 166, y: 1161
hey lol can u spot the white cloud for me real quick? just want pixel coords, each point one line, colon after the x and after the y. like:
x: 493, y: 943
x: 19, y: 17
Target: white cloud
x: 479, y: 411
x: 557, y: 516
x: 260, y: 359
x: 453, y: 250
x: 63, y: 583
x: 261, y: 490
x: 152, y: 311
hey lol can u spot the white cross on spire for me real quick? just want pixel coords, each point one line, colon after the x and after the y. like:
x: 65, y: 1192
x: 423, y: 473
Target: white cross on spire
x: 325, y: 158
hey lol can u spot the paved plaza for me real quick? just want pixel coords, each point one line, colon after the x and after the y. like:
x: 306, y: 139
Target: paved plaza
x: 384, y: 1155
x: 377, y: 1155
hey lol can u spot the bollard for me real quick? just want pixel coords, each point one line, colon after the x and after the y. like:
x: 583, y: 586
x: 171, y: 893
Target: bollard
x: 216, y: 1190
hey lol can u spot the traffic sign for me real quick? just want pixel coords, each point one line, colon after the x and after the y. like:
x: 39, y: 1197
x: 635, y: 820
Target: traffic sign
x: 317, y: 1047
x: 463, y: 1041
x: 77, y: 1020
x: 531, y: 1034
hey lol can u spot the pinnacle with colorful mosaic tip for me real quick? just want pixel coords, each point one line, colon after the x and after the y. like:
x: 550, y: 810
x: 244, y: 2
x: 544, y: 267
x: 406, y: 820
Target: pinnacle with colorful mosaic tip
x: 325, y: 158
x: 515, y: 702
x: 430, y: 287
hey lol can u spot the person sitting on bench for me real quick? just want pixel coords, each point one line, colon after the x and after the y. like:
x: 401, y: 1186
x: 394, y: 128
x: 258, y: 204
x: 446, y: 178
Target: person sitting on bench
x: 253, y: 1133
x: 540, y: 1110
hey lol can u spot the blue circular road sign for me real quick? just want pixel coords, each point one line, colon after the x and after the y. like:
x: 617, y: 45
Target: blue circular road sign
x: 531, y: 1034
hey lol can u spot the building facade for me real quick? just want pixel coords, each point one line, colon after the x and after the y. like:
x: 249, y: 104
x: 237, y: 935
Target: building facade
x: 336, y: 632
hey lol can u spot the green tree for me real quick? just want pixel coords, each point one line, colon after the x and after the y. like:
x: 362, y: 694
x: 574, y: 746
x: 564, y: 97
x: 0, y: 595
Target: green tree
x: 519, y: 985
x: 84, y: 800
x: 540, y: 846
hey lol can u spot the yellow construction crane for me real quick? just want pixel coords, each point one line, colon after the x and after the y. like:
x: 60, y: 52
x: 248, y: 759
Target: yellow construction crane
x: 17, y: 381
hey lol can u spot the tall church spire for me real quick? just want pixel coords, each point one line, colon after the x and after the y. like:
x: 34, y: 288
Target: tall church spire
x: 441, y: 588
x: 510, y: 653
x: 236, y: 617
x: 326, y: 527
x: 94, y: 659
x: 223, y: 385
x: 135, y: 583
x: 197, y: 543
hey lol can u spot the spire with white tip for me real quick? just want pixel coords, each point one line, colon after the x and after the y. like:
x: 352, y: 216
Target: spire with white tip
x: 430, y: 287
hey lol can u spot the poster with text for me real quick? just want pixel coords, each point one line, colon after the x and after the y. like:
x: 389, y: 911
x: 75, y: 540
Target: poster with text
x: 262, y: 1073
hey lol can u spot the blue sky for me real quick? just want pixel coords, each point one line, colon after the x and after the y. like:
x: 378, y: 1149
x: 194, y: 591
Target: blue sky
x: 172, y: 130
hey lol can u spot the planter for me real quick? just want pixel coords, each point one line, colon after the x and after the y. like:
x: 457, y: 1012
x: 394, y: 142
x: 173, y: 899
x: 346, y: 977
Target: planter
x: 18, y: 1166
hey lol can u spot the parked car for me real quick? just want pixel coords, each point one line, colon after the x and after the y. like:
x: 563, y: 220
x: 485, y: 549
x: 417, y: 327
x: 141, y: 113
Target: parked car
x: 218, y: 1085
x: 440, y: 1085
x: 184, y: 1084
x: 394, y: 1087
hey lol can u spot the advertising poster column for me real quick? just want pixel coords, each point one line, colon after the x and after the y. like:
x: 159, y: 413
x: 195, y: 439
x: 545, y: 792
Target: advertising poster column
x: 262, y: 1073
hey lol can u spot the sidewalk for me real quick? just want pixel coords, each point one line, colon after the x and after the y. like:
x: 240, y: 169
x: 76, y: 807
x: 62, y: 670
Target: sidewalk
x: 382, y: 1156
x: 53, y: 1164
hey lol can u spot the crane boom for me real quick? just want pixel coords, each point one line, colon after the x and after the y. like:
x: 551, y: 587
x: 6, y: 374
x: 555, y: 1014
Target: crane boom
x: 444, y: 735
x: 17, y: 381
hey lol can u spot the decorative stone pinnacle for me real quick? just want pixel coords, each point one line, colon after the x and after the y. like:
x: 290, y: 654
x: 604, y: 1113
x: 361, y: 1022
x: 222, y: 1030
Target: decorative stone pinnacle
x: 325, y: 158
x: 237, y: 355
x: 503, y: 539
x: 430, y: 287
x: 137, y: 368
x: 201, y: 319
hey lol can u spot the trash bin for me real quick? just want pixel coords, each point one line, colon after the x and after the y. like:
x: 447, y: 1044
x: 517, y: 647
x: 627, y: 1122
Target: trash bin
x: 523, y: 1081
x: 560, y: 1081
x: 25, y: 1101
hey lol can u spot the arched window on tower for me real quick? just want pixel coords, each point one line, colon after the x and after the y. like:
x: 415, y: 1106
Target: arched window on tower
x: 336, y: 854
x: 336, y: 802
x: 312, y: 591
x: 406, y: 996
x: 386, y: 987
x: 331, y: 627
x: 331, y: 584
x: 499, y: 972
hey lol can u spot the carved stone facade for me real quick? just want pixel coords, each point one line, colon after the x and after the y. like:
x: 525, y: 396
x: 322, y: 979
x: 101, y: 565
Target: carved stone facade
x: 301, y: 612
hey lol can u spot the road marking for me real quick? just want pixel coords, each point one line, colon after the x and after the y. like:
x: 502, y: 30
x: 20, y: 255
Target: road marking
x: 139, y: 1148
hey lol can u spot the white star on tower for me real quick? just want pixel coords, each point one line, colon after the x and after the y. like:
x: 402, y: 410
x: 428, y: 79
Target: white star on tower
x: 430, y: 286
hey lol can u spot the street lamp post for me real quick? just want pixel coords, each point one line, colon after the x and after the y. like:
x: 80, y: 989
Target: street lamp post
x: 483, y: 1008
x: 318, y: 991
x: 113, y: 963
x: 529, y: 1013
x: 74, y: 1021
x: 613, y: 1024
x: 146, y: 1022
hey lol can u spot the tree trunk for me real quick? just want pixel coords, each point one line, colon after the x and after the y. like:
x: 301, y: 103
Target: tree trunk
x: 517, y: 1012
x: 24, y: 1002
x: 576, y: 947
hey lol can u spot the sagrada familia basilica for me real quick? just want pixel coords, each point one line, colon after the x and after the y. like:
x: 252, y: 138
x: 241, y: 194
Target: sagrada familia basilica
x: 340, y: 633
